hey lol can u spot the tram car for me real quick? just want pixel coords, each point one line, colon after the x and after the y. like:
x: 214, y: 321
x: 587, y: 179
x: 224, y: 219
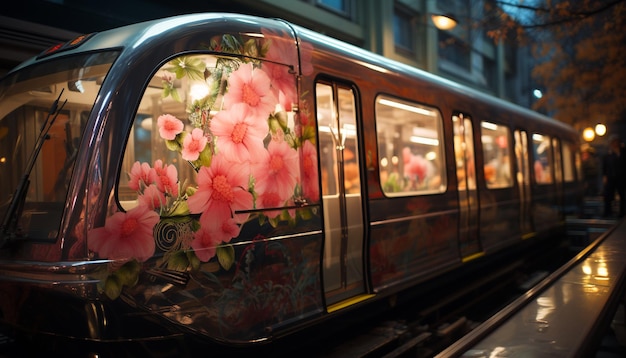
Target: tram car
x: 239, y: 179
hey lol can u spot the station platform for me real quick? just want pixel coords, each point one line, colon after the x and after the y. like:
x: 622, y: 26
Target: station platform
x: 577, y: 311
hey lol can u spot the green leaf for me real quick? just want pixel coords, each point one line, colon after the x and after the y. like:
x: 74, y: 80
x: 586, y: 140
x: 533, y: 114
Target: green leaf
x: 205, y: 156
x: 226, y: 256
x: 175, y: 95
x: 305, y: 213
x: 194, y: 261
x: 191, y: 67
x: 128, y: 274
x: 190, y: 190
x: 282, y: 119
x: 308, y: 133
x: 178, y: 261
x: 180, y: 208
x: 173, y: 145
x: 112, y: 287
x: 231, y: 44
x: 250, y: 48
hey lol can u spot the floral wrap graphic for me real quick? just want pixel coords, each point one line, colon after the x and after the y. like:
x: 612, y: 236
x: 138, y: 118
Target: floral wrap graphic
x: 251, y: 146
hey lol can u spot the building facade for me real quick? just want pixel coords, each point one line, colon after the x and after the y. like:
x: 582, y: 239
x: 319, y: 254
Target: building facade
x: 397, y: 29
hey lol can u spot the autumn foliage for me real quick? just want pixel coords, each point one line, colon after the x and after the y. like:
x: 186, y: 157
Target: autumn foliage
x: 579, y: 49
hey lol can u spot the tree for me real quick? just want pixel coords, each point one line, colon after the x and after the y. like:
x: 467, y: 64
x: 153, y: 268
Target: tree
x: 580, y: 53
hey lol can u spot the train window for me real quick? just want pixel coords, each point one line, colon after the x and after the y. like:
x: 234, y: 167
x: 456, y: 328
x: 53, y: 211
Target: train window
x: 542, y: 156
x: 568, y: 162
x: 203, y: 117
x: 332, y: 135
x: 464, y: 155
x: 497, y: 155
x: 410, y: 147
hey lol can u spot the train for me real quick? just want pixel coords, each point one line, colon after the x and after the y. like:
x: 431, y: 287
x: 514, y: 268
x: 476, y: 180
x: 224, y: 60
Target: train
x: 239, y: 179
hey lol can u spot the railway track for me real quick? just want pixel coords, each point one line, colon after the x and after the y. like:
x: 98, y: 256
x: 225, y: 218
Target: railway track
x: 424, y: 327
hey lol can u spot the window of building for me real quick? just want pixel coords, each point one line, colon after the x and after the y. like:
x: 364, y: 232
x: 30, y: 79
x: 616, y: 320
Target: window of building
x: 341, y: 7
x: 410, y: 147
x: 403, y: 30
x: 454, y: 50
x: 497, y: 155
x: 542, y: 155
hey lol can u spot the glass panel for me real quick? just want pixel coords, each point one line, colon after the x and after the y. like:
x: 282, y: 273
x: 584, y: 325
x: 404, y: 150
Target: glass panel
x: 542, y: 154
x: 27, y: 121
x: 496, y: 153
x: 410, y: 148
x: 568, y: 162
x: 339, y: 6
x: 326, y: 118
x: 464, y: 152
x: 352, y: 181
x: 403, y: 30
x: 208, y: 123
x: 522, y: 158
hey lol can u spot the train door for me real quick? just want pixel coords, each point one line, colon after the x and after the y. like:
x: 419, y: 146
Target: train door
x: 468, y: 195
x: 341, y: 191
x: 523, y: 182
x: 558, y: 173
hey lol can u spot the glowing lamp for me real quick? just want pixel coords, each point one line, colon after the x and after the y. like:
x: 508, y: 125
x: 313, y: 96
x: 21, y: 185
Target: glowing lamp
x: 444, y: 22
x: 589, y: 134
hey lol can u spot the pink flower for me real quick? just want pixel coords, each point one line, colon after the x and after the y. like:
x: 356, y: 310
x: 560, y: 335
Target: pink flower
x: 310, y: 185
x: 222, y: 190
x: 193, y: 144
x: 205, y: 244
x: 278, y: 172
x: 141, y: 173
x: 169, y: 126
x: 239, y: 135
x: 280, y: 55
x: 126, y: 235
x: 166, y: 178
x: 415, y: 166
x: 251, y: 87
x: 152, y: 197
x: 270, y: 199
x: 211, y: 234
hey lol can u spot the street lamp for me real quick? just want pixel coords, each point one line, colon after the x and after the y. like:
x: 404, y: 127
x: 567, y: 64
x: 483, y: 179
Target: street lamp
x: 444, y: 22
x: 589, y: 134
x: 600, y: 129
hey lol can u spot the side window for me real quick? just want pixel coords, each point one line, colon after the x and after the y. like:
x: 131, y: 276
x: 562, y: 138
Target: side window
x: 542, y: 156
x: 497, y: 154
x: 568, y: 162
x: 204, y: 118
x: 410, y: 147
x: 337, y: 130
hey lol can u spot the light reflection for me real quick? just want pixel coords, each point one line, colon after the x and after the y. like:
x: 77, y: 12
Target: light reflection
x: 589, y: 288
x: 497, y: 351
x: 166, y: 26
x: 407, y: 107
x: 596, y: 270
x: 546, y: 306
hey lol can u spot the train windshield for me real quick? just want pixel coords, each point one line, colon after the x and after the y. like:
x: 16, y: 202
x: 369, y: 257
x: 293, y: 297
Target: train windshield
x: 43, y: 112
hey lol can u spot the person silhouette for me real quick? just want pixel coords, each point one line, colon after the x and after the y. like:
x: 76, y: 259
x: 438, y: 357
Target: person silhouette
x: 614, y: 176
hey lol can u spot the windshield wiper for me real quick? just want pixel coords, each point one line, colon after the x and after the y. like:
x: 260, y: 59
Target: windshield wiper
x: 10, y: 229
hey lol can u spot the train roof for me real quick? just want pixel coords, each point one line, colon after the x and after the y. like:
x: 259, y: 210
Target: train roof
x: 380, y: 63
x: 144, y: 34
